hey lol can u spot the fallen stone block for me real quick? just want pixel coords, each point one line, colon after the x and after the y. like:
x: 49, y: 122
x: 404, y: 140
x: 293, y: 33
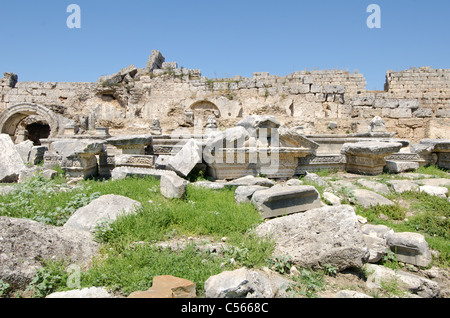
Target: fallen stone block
x: 350, y: 294
x: 434, y: 190
x: 368, y: 198
x: 124, y: 172
x: 401, y: 186
x: 186, y: 159
x: 24, y: 149
x: 375, y: 186
x: 240, y: 283
x: 92, y: 292
x: 243, y: 194
x: 319, y: 237
x: 25, y: 244
x: 252, y: 181
x: 278, y: 201
x: 107, y: 208
x: 172, y: 186
x: 332, y: 198
x: 10, y: 160
x: 400, y: 166
x: 411, y: 248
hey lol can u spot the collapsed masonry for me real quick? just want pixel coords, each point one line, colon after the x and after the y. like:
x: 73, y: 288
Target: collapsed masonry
x: 320, y: 119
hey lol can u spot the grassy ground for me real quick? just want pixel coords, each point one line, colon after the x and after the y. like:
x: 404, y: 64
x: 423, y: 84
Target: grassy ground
x: 129, y: 259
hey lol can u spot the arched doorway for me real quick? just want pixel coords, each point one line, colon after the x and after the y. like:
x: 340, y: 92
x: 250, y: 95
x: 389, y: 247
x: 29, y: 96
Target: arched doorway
x: 28, y: 121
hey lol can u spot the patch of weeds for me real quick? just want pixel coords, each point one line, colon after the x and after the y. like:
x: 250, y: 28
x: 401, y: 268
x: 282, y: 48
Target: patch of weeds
x: 373, y: 213
x: 280, y: 264
x: 393, y: 287
x: 4, y: 288
x: 330, y: 270
x: 308, y: 283
x: 389, y: 260
x: 434, y: 170
x: 48, y: 279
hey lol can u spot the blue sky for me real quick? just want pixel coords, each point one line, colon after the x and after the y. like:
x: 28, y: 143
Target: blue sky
x: 222, y: 38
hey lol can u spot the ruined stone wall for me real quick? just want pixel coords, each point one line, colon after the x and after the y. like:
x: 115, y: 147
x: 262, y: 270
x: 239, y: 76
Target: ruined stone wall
x: 416, y: 103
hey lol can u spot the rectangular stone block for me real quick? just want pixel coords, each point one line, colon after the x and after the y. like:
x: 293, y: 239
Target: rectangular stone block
x: 278, y: 201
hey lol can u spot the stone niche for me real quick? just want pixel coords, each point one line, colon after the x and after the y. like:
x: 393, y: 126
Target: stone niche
x: 256, y: 146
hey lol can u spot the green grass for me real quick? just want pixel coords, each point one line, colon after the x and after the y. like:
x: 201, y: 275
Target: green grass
x: 434, y: 170
x: 125, y: 265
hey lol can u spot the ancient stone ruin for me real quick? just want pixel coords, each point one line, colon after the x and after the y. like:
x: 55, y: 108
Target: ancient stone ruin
x: 142, y: 118
x: 256, y: 135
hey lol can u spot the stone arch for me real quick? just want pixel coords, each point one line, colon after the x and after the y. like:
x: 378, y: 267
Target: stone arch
x: 12, y: 116
x: 203, y: 110
x: 205, y: 105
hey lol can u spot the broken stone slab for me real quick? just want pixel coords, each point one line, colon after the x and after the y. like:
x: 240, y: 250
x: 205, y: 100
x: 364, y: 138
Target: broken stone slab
x: 91, y: 292
x: 243, y: 194
x: 379, y: 230
x: 213, y: 185
x: 411, y: 248
x: 375, y: 186
x: 437, y: 182
x: 401, y: 186
x: 33, y: 171
x: 314, y: 178
x: 186, y: 159
x: 106, y: 208
x: 368, y: 157
x: 240, y: 283
x: 131, y: 144
x: 368, y: 198
x: 319, y: 237
x: 278, y: 201
x: 434, y: 190
x: 172, y: 186
x: 294, y: 182
x: 10, y: 160
x: 252, y: 181
x: 332, y: 198
x: 124, y: 172
x: 375, y: 238
x: 168, y: 286
x: 24, y: 149
x: 379, y: 275
x: 350, y: 294
x: 377, y: 247
x: 393, y: 166
x: 25, y: 244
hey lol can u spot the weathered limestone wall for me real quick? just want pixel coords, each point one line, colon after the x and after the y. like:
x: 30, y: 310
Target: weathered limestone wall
x: 416, y: 103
